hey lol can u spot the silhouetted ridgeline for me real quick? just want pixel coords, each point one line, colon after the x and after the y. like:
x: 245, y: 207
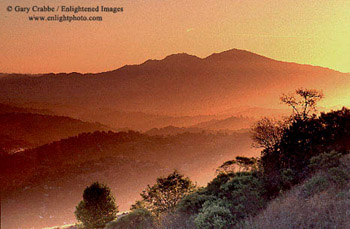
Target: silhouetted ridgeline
x: 7, y: 108
x: 38, y: 129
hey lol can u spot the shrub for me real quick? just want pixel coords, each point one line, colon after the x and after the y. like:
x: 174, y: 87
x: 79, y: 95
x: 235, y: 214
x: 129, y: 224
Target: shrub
x: 192, y: 203
x: 214, y: 186
x: 287, y: 179
x: 338, y: 176
x: 315, y: 185
x: 97, y: 207
x: 245, y: 192
x: 237, y: 195
x: 215, y: 215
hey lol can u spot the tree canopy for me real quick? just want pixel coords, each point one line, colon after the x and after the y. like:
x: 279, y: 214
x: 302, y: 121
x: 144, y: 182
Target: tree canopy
x: 166, y: 193
x: 97, y: 208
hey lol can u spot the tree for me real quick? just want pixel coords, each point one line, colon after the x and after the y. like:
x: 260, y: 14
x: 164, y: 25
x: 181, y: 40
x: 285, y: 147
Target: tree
x: 305, y: 104
x: 240, y: 164
x: 289, y: 144
x: 267, y: 132
x: 97, y: 207
x: 166, y: 193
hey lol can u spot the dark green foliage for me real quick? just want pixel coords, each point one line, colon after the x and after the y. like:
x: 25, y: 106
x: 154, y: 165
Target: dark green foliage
x: 245, y: 193
x: 192, y: 203
x: 137, y: 219
x: 213, y: 187
x: 226, y: 200
x: 215, y: 214
x: 167, y: 193
x: 97, y: 207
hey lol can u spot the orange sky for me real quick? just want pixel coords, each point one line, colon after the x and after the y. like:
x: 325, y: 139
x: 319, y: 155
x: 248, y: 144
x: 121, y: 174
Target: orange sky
x: 315, y: 32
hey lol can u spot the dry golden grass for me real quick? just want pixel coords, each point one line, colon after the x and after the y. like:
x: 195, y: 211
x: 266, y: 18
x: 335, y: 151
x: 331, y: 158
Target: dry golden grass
x: 313, y: 204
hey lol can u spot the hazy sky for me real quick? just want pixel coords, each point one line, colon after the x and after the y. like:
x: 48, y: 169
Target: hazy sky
x: 315, y: 32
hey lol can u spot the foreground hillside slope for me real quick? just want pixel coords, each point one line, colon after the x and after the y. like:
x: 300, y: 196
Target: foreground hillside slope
x: 322, y: 201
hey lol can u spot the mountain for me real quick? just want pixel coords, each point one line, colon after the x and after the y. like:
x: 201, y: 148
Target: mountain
x: 178, y: 85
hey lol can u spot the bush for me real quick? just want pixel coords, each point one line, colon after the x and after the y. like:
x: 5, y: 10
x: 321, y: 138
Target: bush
x: 215, y: 215
x: 287, y: 179
x: 214, y: 186
x: 97, y: 207
x: 139, y: 218
x: 245, y: 192
x: 315, y: 185
x: 338, y: 176
x: 325, y: 161
x: 192, y: 203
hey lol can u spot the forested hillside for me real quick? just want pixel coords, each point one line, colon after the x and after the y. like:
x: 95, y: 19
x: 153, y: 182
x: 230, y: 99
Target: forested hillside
x: 22, y: 128
x: 127, y: 161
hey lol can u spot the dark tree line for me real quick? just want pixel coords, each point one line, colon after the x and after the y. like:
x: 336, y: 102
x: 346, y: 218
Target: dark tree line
x: 289, y: 145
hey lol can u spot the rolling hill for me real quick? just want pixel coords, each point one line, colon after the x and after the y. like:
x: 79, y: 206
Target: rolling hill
x: 7, y: 108
x: 19, y: 131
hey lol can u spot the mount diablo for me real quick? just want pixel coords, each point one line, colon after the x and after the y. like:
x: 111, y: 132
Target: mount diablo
x: 179, y: 84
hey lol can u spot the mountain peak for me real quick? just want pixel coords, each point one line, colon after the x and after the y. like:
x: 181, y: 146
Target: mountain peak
x: 236, y: 55
x: 181, y: 57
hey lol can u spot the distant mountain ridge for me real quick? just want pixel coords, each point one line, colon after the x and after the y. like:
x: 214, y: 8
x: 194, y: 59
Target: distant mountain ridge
x: 231, y: 123
x: 180, y: 84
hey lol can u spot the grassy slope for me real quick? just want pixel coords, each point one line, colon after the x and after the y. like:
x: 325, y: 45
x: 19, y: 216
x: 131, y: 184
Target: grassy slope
x: 323, y: 201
